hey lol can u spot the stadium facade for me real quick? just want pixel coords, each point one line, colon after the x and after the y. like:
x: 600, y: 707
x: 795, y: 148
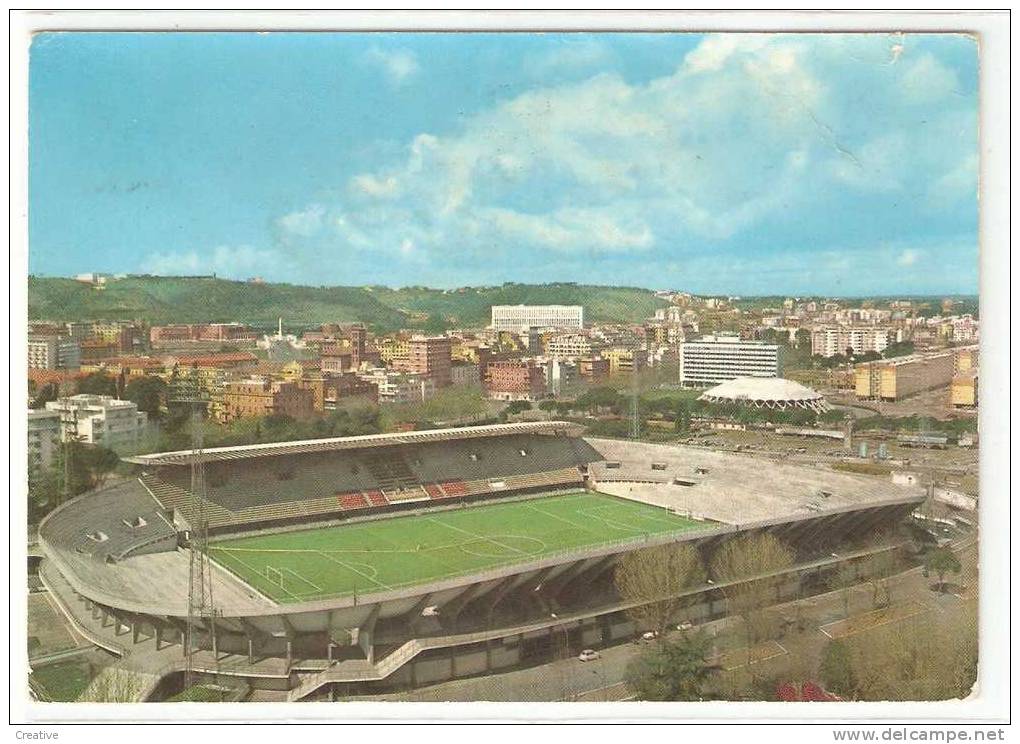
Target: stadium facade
x: 117, y: 560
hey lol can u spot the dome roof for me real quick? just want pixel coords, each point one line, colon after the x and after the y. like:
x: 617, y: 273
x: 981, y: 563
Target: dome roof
x: 764, y: 390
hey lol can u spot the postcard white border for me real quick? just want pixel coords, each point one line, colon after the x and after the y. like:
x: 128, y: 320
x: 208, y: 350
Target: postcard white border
x: 990, y: 704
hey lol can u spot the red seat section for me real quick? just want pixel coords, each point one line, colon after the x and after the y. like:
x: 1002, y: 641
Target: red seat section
x: 454, y: 488
x: 434, y: 490
x: 376, y: 498
x: 353, y: 500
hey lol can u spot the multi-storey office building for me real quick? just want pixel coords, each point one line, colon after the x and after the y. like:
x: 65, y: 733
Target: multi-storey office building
x: 524, y: 317
x: 714, y: 359
x: 893, y: 379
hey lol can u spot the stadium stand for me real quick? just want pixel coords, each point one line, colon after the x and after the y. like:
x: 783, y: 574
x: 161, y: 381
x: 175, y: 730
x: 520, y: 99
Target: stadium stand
x: 290, y: 487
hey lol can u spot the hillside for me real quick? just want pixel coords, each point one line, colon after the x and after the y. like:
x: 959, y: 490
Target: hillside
x: 192, y: 300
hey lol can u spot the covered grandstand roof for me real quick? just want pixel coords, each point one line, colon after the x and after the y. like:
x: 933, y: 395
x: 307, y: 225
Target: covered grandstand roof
x: 766, y: 392
x: 183, y: 457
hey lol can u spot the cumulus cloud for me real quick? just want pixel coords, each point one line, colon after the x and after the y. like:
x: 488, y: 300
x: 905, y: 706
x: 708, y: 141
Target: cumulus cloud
x: 749, y: 133
x: 234, y: 262
x: 399, y: 65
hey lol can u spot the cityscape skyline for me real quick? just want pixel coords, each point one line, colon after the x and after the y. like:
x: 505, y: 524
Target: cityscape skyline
x: 468, y: 160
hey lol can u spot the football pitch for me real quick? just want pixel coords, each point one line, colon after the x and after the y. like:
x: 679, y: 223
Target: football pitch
x: 369, y: 557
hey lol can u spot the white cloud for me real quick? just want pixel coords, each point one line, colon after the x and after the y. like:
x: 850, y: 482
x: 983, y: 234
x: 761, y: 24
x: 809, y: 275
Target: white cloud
x: 399, y: 65
x: 749, y: 131
x: 237, y: 262
x: 908, y: 257
x: 570, y: 55
x: 305, y: 222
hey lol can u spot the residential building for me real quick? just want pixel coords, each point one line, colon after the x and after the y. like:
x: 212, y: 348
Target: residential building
x: 399, y: 387
x: 515, y: 379
x: 465, y: 373
x: 53, y: 352
x: 625, y: 361
x: 568, y: 346
x: 963, y: 393
x: 893, y: 379
x: 832, y: 340
x: 100, y: 419
x: 715, y: 359
x: 593, y: 369
x: 429, y: 356
x: 259, y: 396
x: 222, y: 332
x: 523, y: 317
x: 43, y: 439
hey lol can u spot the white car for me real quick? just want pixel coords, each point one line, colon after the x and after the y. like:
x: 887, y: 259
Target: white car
x: 588, y: 655
x: 685, y: 625
x: 649, y: 635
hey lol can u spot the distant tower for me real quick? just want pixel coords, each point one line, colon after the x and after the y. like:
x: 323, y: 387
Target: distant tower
x: 279, y: 328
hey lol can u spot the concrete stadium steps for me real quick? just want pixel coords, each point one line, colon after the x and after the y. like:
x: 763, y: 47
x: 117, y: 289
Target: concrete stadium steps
x: 174, y: 497
x: 391, y: 471
x: 416, y: 493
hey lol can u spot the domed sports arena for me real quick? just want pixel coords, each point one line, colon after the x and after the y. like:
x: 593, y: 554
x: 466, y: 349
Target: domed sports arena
x: 358, y: 565
x: 775, y: 393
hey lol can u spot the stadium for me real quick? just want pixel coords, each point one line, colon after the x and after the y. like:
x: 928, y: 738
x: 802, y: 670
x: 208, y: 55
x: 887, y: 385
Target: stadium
x: 363, y: 564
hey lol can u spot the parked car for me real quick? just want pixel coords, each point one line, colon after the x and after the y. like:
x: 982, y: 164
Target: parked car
x: 649, y: 635
x: 588, y: 655
x: 685, y: 625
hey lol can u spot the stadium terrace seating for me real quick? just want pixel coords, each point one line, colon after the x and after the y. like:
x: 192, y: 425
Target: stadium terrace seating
x: 350, y: 501
x: 453, y: 488
x: 376, y: 498
x: 294, y: 486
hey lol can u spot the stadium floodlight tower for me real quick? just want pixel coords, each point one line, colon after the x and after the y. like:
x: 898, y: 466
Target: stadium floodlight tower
x: 187, y: 390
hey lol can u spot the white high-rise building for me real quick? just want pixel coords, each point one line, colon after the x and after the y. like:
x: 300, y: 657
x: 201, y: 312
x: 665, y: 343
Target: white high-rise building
x: 714, y: 359
x: 43, y: 439
x: 519, y: 318
x: 101, y: 419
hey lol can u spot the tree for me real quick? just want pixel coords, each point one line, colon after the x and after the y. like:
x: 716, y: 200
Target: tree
x: 48, y: 392
x: 517, y: 406
x: 843, y: 580
x: 147, y: 393
x: 97, y: 383
x: 672, y: 670
x: 880, y: 567
x: 837, y: 671
x: 653, y: 578
x: 751, y: 567
x: 99, y: 462
x: 803, y: 337
x: 941, y: 561
x: 45, y: 486
x: 548, y: 405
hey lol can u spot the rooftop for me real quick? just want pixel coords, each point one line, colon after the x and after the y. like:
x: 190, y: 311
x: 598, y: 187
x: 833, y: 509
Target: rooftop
x: 183, y: 457
x: 763, y: 389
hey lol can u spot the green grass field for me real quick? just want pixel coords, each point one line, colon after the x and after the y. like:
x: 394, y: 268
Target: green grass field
x: 385, y: 554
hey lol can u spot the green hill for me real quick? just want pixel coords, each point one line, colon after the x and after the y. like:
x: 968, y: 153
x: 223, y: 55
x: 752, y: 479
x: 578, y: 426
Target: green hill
x: 195, y: 299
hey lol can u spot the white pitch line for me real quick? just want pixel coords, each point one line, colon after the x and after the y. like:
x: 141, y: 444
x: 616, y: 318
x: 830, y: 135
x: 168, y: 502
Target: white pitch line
x: 478, y: 537
x: 302, y: 578
x: 256, y: 572
x: 352, y: 568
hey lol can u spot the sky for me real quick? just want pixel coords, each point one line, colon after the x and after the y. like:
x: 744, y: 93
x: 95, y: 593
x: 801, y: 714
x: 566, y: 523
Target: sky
x: 737, y: 164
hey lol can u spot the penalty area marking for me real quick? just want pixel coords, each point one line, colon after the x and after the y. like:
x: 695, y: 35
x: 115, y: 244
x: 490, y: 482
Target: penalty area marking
x: 261, y: 576
x: 352, y: 568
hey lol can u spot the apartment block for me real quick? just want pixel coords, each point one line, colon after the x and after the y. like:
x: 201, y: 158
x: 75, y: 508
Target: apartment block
x: 53, y: 352
x: 515, y: 379
x: 100, y: 419
x: 43, y: 439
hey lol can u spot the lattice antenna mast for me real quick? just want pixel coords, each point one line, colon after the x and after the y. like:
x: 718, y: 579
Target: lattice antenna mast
x: 189, y: 392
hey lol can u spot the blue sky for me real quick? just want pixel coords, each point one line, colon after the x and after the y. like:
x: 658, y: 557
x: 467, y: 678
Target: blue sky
x: 736, y: 163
